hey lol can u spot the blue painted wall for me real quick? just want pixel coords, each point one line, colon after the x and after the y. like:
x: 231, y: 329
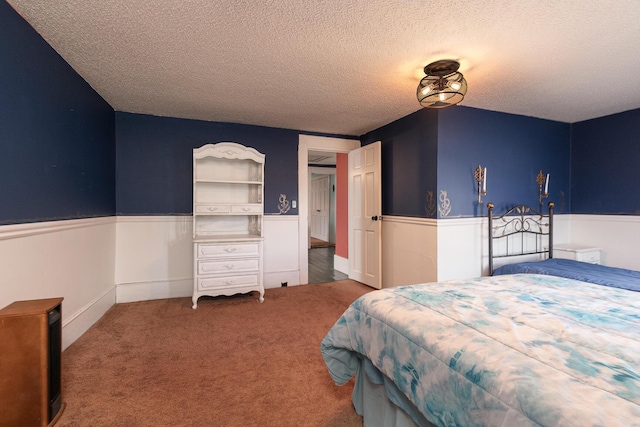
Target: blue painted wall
x: 57, y: 151
x: 154, y: 161
x: 513, y: 148
x: 431, y: 151
x: 409, y: 163
x: 60, y: 143
x: 605, y: 170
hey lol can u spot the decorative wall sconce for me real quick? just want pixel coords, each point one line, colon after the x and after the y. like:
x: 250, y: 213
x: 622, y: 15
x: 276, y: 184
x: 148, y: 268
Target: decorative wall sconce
x: 442, y: 86
x: 480, y: 175
x: 283, y: 204
x: 541, y: 179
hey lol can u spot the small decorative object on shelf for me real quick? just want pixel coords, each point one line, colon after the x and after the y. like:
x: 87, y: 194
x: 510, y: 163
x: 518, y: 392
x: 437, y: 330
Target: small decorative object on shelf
x: 228, y: 210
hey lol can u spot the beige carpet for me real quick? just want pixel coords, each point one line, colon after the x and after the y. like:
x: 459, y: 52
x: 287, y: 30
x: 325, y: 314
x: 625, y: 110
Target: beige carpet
x: 231, y: 362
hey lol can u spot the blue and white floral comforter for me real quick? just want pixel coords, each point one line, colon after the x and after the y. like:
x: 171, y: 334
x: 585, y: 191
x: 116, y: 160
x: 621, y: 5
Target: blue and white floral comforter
x: 513, y: 350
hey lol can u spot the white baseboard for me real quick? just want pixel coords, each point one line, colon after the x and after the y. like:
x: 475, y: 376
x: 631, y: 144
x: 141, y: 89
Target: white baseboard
x: 144, y: 291
x: 80, y: 322
x: 274, y: 279
x: 341, y: 264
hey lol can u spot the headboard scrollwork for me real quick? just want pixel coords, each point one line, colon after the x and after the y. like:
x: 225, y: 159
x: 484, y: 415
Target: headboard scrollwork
x: 521, y: 230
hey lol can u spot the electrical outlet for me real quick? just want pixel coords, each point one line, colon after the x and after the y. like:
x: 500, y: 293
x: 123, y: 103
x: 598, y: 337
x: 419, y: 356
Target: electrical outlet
x: 294, y: 204
x: 284, y: 284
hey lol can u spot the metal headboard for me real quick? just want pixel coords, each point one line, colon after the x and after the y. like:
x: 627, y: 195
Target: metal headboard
x: 520, y: 226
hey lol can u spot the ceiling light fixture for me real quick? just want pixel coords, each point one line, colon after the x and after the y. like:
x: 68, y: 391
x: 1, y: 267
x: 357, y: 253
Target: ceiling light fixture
x: 442, y: 86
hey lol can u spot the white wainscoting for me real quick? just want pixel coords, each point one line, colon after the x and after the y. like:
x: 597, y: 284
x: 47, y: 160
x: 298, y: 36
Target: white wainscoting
x: 72, y: 259
x: 462, y: 248
x: 281, y: 251
x: 616, y: 235
x: 419, y: 250
x: 154, y: 255
x: 94, y: 263
x: 409, y: 251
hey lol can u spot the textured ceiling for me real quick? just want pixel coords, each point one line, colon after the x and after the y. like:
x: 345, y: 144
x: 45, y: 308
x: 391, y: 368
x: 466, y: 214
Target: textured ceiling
x: 345, y: 66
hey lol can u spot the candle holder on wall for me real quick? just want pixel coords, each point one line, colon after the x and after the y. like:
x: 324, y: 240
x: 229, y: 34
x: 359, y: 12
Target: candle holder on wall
x: 480, y: 174
x: 542, y: 180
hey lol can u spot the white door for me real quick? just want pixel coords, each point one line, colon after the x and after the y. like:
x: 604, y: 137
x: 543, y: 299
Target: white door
x: 319, y: 208
x: 365, y: 215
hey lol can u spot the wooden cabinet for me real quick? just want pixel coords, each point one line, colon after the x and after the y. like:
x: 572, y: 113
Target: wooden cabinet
x: 228, y: 209
x: 30, y: 363
x: 588, y: 254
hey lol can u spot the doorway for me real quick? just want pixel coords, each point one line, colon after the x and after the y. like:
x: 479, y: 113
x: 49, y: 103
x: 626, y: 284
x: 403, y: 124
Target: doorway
x: 323, y: 187
x: 325, y: 145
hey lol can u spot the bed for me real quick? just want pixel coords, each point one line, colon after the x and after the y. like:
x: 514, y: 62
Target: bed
x: 523, y: 232
x: 524, y: 348
x: 509, y: 350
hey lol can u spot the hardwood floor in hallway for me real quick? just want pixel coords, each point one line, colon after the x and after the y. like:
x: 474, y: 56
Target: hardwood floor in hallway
x: 321, y: 266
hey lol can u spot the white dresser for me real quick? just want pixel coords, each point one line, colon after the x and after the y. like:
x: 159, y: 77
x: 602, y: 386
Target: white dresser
x: 228, y: 189
x: 582, y: 253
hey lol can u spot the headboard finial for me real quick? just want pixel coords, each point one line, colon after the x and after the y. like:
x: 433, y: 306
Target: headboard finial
x: 490, y: 205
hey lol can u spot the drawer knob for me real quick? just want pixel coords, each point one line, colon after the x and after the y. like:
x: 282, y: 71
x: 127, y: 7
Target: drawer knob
x: 246, y: 209
x: 229, y: 282
x: 230, y: 250
x: 213, y: 209
x: 230, y: 266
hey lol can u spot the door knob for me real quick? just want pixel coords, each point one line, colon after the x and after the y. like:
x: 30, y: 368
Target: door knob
x: 374, y: 218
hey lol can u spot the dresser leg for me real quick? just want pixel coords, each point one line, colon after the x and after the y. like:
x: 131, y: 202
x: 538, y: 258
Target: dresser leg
x: 194, y: 299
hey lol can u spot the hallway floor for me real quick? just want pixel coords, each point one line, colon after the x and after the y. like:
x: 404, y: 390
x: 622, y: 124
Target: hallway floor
x: 321, y: 266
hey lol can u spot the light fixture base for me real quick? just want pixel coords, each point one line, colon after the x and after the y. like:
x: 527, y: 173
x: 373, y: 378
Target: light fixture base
x: 442, y: 67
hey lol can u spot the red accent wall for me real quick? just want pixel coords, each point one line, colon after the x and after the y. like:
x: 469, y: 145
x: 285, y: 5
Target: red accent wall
x: 342, y: 205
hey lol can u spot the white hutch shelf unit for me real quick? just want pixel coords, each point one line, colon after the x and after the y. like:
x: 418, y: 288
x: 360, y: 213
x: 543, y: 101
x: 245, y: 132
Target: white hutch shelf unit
x: 228, y: 209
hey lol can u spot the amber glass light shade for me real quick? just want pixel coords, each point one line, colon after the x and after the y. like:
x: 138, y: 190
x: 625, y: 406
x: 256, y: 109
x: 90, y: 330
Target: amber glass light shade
x: 442, y: 86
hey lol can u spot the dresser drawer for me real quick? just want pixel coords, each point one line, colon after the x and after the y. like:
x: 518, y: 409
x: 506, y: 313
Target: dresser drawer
x: 217, y: 250
x: 227, y: 282
x: 228, y: 266
x: 252, y: 208
x: 213, y: 209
